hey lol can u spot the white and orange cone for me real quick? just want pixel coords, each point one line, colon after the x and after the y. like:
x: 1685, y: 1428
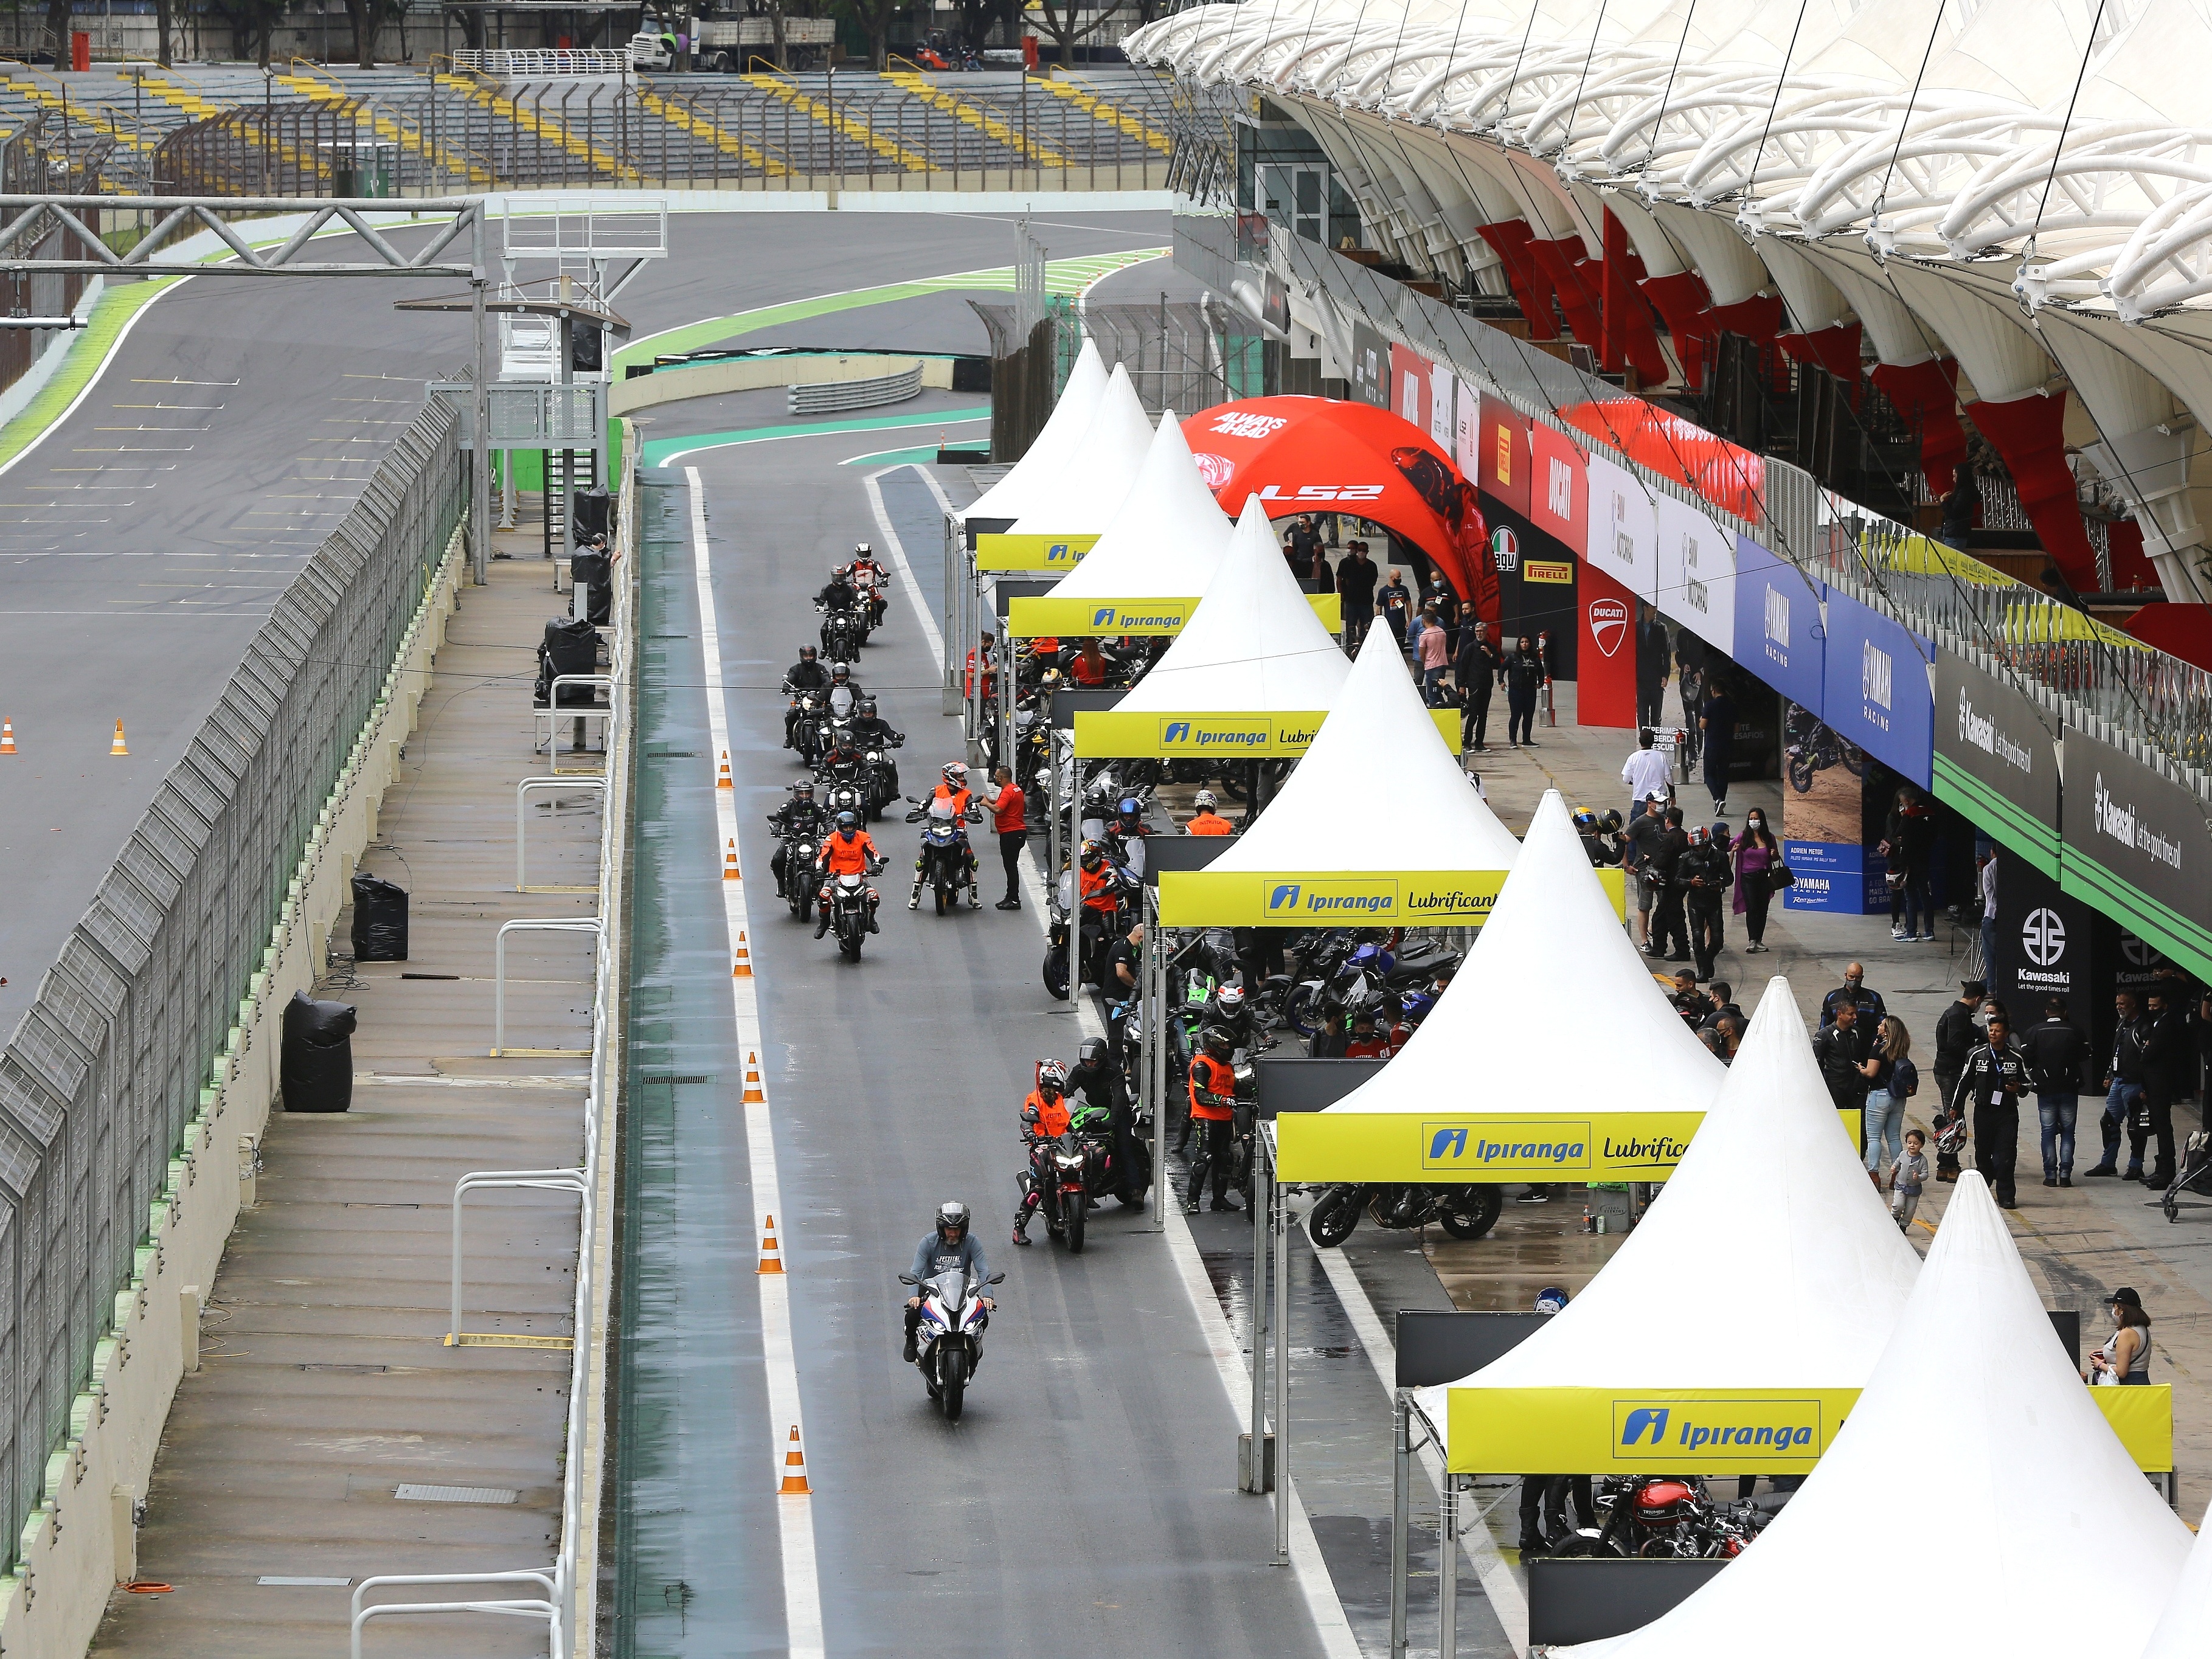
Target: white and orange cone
x: 117, y: 748
x: 723, y: 781
x: 771, y: 1256
x: 755, y: 1095
x: 794, y: 1470
x: 7, y: 737
x: 743, y: 967
x: 730, y: 862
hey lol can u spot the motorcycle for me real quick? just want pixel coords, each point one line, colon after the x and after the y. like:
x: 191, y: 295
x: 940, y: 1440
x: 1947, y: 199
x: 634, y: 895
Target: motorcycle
x: 1812, y: 746
x: 876, y: 782
x: 1072, y: 1166
x: 1096, y: 939
x: 1465, y: 1212
x: 842, y: 636
x: 946, y: 864
x: 799, y: 885
x: 1667, y: 1516
x: 809, y: 730
x: 1346, y: 973
x: 840, y: 797
x: 869, y: 580
x: 949, y: 1344
x: 849, y: 913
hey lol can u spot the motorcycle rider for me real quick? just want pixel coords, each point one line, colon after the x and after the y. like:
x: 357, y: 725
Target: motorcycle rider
x: 1603, y: 847
x: 1228, y: 1010
x: 1995, y: 1078
x: 798, y: 817
x: 1205, y: 820
x: 1128, y: 832
x: 1213, y: 1112
x: 838, y: 593
x: 840, y: 679
x: 952, y: 801
x: 870, y: 579
x: 848, y: 851
x: 1046, y: 1116
x: 1098, y: 887
x: 1703, y: 873
x: 805, y: 675
x: 871, y: 731
x: 946, y: 1247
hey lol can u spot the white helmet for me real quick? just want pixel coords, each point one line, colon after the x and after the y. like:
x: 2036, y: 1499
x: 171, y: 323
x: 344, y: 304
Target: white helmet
x: 956, y: 772
x: 1203, y: 801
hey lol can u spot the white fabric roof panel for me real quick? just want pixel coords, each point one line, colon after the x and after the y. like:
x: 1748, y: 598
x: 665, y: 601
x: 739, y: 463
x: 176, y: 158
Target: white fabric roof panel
x: 1167, y: 540
x: 2023, y: 1479
x: 1377, y: 790
x: 1553, y: 943
x: 1096, y: 476
x: 2184, y: 1629
x: 1037, y: 476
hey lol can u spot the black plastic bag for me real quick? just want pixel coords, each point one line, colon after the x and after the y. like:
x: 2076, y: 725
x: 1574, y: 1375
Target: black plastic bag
x: 591, y: 515
x: 379, y: 920
x: 593, y: 573
x: 571, y: 645
x: 315, y: 1067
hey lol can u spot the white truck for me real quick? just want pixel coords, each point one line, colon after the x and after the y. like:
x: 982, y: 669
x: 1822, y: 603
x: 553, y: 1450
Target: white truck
x: 727, y: 45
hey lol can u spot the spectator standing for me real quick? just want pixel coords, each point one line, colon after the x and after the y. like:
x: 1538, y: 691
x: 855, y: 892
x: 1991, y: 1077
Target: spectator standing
x: 1396, y: 604
x: 2166, y: 1051
x: 1524, y: 675
x: 1717, y: 719
x: 1670, y: 932
x: 1956, y: 1033
x: 1907, y: 1177
x: 1897, y: 1082
x: 1010, y: 818
x: 1305, y: 541
x: 1720, y: 996
x: 1652, y: 651
x: 1986, y: 884
x: 1853, y: 991
x: 2123, y: 1083
x: 1328, y: 1043
x: 1909, y: 843
x: 1638, y: 842
x: 1355, y: 591
x: 2124, y: 1358
x: 1647, y: 767
x: 2054, y: 1049
x: 1434, y: 654
x: 1990, y: 1087
x: 1845, y: 1052
x: 1962, y: 506
x: 1758, y: 856
x: 1704, y: 876
x: 1476, y: 670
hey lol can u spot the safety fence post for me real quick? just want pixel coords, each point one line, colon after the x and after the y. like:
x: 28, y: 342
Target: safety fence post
x: 1279, y: 1210
x: 1155, y: 1078
x: 1255, y: 1471
x: 524, y: 788
x: 1402, y: 1463
x: 1447, y: 1568
x: 548, y: 1180
x: 539, y: 925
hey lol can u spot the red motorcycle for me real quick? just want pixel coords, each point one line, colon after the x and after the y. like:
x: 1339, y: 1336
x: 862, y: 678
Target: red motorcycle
x: 1663, y: 1516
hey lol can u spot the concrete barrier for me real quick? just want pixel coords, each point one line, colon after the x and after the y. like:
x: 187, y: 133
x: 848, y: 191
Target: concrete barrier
x: 711, y: 379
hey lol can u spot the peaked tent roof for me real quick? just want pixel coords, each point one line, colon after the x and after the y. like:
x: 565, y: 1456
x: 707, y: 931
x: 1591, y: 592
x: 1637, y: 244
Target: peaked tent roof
x: 2185, y: 1630
x: 1769, y: 1212
x: 2025, y: 1477
x: 1034, y: 477
x: 1376, y: 767
x: 1096, y: 477
x: 1554, y: 1010
x: 1167, y: 540
x: 1253, y: 644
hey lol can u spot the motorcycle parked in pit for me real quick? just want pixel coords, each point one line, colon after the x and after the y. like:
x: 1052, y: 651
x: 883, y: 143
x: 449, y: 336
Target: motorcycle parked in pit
x: 1663, y: 1516
x: 1096, y: 941
x: 1463, y: 1212
x: 949, y: 1341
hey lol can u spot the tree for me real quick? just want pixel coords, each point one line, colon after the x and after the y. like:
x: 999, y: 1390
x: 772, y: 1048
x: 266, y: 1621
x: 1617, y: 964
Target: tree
x: 367, y: 16
x: 874, y: 17
x: 976, y: 17
x: 162, y: 22
x: 1062, y: 21
x: 57, y: 25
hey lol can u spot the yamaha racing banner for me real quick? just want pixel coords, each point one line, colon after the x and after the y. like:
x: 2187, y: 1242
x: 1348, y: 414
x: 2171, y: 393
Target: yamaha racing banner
x: 1705, y: 1432
x: 1047, y: 617
x: 1433, y: 1147
x: 1367, y: 898
x: 1118, y: 734
x: 1010, y: 552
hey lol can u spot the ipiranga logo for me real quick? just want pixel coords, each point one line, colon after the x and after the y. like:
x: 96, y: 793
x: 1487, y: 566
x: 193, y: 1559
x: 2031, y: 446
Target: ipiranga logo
x: 1218, y: 734
x: 1497, y: 1145
x: 1727, y: 1428
x: 1063, y: 553
x: 1365, y: 898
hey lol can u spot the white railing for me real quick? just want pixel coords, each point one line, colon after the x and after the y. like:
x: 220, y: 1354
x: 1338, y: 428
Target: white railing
x: 543, y: 62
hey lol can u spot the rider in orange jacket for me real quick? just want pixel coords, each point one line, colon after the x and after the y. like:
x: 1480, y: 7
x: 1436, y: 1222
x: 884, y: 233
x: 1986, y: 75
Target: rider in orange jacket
x: 848, y: 851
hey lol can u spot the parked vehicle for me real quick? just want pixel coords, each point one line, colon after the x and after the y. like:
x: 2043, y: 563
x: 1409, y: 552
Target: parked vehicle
x: 1463, y: 1212
x: 1662, y: 1515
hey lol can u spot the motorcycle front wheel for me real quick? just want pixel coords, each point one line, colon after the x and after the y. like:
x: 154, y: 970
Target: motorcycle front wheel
x: 849, y: 945
x: 939, y: 888
x: 1055, y: 973
x: 952, y: 1384
x: 1801, y: 775
x: 1330, y: 1222
x: 1471, y: 1211
x: 1076, y: 1207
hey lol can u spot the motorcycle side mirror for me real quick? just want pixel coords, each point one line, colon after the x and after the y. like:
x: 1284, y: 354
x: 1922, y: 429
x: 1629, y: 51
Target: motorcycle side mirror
x: 908, y: 1279
x: 996, y: 1279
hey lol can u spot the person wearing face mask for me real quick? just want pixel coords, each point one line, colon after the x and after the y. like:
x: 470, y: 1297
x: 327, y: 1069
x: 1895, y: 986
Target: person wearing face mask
x: 1853, y: 991
x: 1758, y: 855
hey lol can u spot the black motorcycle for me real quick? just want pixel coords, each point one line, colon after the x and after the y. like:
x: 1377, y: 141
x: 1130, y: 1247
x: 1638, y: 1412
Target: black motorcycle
x: 849, y: 913
x: 946, y: 863
x: 1467, y: 1212
x: 878, y: 780
x: 842, y: 636
x: 1098, y: 938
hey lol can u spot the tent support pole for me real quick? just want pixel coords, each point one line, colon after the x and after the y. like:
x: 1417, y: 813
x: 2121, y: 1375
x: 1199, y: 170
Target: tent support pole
x: 1447, y: 1569
x: 1052, y: 821
x: 1278, y: 1208
x: 1007, y: 682
x: 1255, y: 1471
x: 1402, y: 1459
x: 955, y: 558
x: 1075, y: 893
x: 1156, y: 1062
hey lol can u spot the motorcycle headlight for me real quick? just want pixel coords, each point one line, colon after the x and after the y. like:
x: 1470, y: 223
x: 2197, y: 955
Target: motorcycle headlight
x: 1069, y: 1161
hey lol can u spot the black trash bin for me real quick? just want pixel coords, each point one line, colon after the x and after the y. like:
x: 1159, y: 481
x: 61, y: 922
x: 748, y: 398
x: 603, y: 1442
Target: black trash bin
x: 593, y: 514
x: 571, y: 645
x: 379, y: 920
x: 315, y: 1066
x: 592, y: 571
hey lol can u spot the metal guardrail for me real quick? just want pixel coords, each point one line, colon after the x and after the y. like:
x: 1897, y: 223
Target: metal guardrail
x: 542, y: 63
x: 830, y: 397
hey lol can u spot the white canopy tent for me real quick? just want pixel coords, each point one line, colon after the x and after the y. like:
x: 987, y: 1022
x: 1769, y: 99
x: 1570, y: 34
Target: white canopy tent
x: 1253, y: 644
x: 2185, y: 1630
x: 1167, y: 539
x: 1377, y: 790
x: 1036, y: 479
x: 1975, y: 1397
x: 1769, y: 1212
x: 1094, y: 478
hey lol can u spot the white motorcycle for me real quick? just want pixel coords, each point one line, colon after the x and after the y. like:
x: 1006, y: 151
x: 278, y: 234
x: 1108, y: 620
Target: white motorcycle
x: 949, y: 1342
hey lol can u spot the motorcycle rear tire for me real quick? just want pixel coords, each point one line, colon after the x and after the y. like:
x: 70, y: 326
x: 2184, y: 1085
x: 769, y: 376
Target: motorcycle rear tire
x: 1074, y: 1229
x: 952, y: 1384
x: 1470, y: 1215
x: 1330, y: 1222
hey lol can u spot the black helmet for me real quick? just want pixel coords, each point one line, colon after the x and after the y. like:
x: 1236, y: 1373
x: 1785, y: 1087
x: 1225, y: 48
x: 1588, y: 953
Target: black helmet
x: 1092, y: 1053
x: 1611, y: 822
x: 804, y: 787
x: 806, y: 653
x: 952, y: 1217
x: 846, y: 821
x: 868, y: 707
x: 1218, y: 1040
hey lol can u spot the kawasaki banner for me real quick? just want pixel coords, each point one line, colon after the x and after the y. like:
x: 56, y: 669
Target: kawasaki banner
x: 1007, y: 552
x: 1389, y: 898
x: 1706, y: 1432
x: 1996, y: 759
x: 1481, y: 1146
x: 1044, y: 616
x: 1118, y: 734
x: 2136, y: 847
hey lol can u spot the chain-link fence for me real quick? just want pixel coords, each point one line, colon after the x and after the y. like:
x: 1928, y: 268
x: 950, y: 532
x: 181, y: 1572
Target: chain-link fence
x: 105, y: 1069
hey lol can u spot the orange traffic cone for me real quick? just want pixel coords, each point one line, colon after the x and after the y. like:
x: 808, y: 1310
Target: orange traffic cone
x: 730, y: 862
x: 723, y: 781
x: 7, y: 737
x: 794, y: 1470
x: 771, y: 1258
x: 117, y: 748
x: 754, y: 1095
x: 743, y: 967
